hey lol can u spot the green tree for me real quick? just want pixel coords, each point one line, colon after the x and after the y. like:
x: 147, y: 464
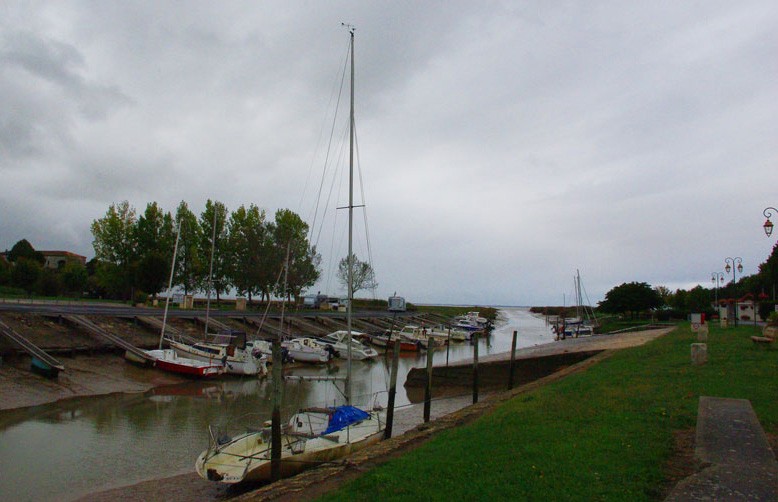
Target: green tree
x: 25, y: 274
x: 214, y: 248
x: 189, y: 268
x: 49, y: 283
x: 5, y: 272
x: 768, y: 273
x: 664, y: 294
x: 290, y: 230
x: 74, y: 277
x: 699, y: 300
x: 363, y: 275
x: 633, y: 298
x: 679, y: 300
x: 155, y: 237
x: 23, y: 249
x: 249, y: 250
x: 115, y: 248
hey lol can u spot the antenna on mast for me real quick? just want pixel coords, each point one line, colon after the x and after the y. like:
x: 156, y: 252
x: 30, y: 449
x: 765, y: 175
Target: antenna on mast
x: 350, y: 27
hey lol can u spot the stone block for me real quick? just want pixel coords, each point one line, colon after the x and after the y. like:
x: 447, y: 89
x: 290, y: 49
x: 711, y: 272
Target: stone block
x: 699, y: 353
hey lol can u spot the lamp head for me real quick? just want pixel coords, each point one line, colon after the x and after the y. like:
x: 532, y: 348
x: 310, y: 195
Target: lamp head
x: 728, y: 268
x: 768, y: 227
x: 739, y: 267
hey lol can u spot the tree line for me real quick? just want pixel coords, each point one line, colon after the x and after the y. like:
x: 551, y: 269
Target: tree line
x: 635, y: 297
x: 219, y: 251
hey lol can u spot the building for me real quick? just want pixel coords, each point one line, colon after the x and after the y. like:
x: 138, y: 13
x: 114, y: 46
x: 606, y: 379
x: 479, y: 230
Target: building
x: 58, y: 259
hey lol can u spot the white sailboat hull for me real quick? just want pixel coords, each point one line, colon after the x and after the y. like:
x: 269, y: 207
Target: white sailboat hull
x: 247, y: 457
x: 241, y: 362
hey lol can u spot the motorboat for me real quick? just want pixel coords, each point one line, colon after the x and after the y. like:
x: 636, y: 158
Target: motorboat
x: 338, y: 340
x: 308, y: 350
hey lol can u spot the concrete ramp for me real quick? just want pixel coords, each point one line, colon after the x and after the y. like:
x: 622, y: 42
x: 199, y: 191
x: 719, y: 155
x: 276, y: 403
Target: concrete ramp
x: 742, y: 465
x: 92, y: 328
x: 45, y: 363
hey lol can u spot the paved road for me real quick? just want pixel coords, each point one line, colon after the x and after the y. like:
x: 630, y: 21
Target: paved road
x: 108, y: 309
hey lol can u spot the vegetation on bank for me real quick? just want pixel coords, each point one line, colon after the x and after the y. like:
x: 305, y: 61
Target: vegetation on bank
x: 602, y: 434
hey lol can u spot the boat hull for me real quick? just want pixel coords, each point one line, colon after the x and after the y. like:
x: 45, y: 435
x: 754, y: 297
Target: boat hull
x: 247, y: 458
x: 167, y: 360
x: 43, y: 368
x: 239, y: 364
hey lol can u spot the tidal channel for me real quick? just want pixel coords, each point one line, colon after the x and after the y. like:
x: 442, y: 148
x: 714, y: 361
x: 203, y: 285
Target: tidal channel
x: 65, y: 450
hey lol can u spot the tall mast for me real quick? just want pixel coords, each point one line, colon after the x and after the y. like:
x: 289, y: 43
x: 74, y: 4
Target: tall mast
x: 169, y: 286
x: 350, y: 224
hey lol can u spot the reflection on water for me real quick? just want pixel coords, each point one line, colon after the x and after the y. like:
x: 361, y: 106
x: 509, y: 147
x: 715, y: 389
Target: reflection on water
x: 67, y: 449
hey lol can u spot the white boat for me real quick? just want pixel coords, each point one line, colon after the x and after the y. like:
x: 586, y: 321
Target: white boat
x: 338, y: 341
x: 312, y: 436
x: 421, y: 335
x: 168, y: 360
x: 584, y: 322
x: 229, y: 349
x: 308, y: 350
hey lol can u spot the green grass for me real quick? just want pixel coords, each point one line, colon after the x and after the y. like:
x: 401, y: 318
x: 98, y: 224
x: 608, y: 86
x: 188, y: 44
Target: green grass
x: 602, y: 434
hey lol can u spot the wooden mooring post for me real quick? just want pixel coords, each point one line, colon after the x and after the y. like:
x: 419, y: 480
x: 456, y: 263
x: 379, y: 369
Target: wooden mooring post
x: 513, y: 361
x: 475, y: 368
x: 428, y: 385
x: 392, y: 390
x: 275, y: 427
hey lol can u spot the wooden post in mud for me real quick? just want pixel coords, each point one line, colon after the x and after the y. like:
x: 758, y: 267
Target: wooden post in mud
x: 448, y: 345
x: 392, y: 390
x: 513, y: 361
x: 275, y: 427
x: 428, y: 386
x: 475, y: 368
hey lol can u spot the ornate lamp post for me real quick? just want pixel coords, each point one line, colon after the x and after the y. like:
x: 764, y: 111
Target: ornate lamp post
x: 768, y: 225
x: 717, y: 278
x: 734, y: 265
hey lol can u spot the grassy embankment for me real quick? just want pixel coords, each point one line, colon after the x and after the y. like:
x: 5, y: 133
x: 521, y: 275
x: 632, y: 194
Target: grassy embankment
x: 602, y: 434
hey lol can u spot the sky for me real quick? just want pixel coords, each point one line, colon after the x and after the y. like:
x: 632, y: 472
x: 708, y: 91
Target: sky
x: 501, y: 145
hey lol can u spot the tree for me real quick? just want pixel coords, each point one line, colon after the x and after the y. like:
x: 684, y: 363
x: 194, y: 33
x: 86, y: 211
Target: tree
x: 363, y: 275
x: 698, y: 299
x: 74, y: 277
x: 25, y: 274
x: 633, y: 297
x: 23, y: 249
x: 189, y: 268
x: 291, y: 231
x: 249, y: 247
x: 214, y: 242
x: 664, y: 294
x: 155, y: 238
x: 115, y: 247
x: 5, y: 272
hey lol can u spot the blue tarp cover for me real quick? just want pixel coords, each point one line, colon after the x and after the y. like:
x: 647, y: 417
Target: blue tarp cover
x: 344, y: 416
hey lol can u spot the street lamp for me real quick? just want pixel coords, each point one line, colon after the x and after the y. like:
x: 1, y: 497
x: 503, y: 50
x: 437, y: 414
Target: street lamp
x: 717, y: 278
x: 734, y: 265
x: 768, y: 225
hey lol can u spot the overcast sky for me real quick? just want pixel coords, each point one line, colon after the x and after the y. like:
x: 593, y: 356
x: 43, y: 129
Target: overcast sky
x: 502, y: 145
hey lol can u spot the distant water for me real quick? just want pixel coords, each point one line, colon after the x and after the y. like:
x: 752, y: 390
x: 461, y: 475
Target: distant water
x: 65, y: 450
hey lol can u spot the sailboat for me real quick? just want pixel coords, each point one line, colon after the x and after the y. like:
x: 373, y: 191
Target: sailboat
x: 168, y: 359
x: 313, y: 435
x: 231, y: 350
x: 584, y: 322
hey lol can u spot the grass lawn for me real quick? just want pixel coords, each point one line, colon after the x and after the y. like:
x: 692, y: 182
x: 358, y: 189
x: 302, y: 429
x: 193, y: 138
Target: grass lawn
x: 602, y: 434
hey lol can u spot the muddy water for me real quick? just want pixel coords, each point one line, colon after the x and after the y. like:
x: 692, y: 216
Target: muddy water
x: 67, y: 449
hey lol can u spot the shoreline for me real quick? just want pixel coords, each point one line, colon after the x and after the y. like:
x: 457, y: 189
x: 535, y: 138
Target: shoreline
x: 408, y: 426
